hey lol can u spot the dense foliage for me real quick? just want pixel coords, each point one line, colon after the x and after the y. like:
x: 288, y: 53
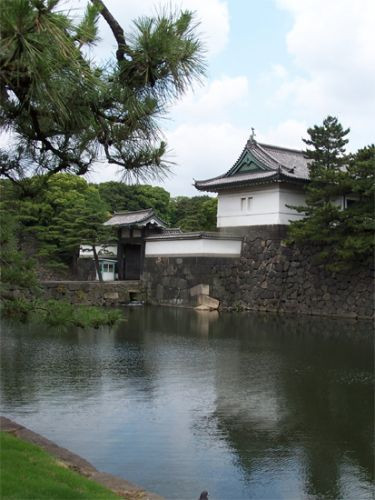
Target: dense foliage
x: 197, y: 213
x: 339, y: 214
x: 119, y: 196
x: 193, y: 214
x: 50, y: 224
x: 64, y: 111
x: 55, y: 220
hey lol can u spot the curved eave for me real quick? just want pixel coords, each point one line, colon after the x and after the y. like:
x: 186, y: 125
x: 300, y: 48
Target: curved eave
x: 237, y: 184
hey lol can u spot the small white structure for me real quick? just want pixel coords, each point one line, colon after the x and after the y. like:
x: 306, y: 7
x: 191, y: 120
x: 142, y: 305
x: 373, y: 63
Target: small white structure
x: 107, y: 255
x: 193, y: 245
x: 259, y: 186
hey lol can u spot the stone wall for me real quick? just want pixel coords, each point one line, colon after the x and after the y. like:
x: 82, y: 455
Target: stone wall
x: 269, y: 276
x: 94, y: 293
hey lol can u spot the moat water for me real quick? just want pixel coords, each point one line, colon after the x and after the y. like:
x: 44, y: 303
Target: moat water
x: 247, y: 406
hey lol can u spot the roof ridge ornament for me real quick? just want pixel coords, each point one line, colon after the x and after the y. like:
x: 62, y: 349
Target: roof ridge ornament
x: 252, y: 136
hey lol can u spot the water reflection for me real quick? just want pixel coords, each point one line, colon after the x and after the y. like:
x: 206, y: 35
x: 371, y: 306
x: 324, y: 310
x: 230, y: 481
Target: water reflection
x: 245, y: 405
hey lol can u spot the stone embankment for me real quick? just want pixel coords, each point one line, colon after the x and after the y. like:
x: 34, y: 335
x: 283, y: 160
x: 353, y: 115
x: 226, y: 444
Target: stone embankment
x: 269, y: 276
x: 94, y: 293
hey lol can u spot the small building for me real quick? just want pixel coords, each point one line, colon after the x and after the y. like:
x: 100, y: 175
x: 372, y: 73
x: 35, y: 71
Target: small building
x: 107, y: 255
x: 132, y: 230
x: 259, y: 187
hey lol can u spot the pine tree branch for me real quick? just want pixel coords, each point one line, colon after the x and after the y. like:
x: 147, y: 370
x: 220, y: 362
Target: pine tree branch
x: 116, y: 29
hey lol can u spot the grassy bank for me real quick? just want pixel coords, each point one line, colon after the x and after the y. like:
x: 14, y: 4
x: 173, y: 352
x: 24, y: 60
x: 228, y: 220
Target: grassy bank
x: 28, y: 472
x: 59, y: 313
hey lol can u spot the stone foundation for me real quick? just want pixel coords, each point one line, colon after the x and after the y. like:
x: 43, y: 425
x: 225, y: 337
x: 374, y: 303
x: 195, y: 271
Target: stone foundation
x: 94, y: 293
x: 269, y: 276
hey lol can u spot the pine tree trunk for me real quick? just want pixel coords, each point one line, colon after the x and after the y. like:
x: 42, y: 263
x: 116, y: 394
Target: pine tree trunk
x: 97, y: 266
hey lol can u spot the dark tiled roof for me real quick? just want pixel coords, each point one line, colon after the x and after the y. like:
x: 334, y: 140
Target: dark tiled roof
x: 280, y: 164
x: 194, y: 236
x: 171, y: 230
x: 139, y: 217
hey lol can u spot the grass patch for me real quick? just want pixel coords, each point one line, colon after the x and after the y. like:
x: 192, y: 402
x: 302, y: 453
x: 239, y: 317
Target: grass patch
x: 60, y: 313
x: 28, y: 472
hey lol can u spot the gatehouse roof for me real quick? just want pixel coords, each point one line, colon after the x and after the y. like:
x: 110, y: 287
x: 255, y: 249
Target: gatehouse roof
x: 135, y: 218
x: 260, y: 164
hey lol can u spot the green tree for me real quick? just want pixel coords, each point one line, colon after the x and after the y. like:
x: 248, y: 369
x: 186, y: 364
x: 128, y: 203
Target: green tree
x: 194, y: 214
x: 17, y: 271
x: 55, y: 220
x: 120, y: 196
x: 82, y: 223
x: 340, y: 234
x: 64, y: 111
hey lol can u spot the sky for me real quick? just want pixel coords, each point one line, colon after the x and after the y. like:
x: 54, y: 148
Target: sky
x: 279, y: 66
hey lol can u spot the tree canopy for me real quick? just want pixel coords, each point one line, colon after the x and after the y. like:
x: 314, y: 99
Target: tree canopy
x: 339, y: 214
x: 119, y: 196
x: 194, y: 214
x: 50, y: 224
x: 54, y: 222
x: 64, y: 111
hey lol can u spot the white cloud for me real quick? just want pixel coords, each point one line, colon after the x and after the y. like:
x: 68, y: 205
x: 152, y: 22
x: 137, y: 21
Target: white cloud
x: 288, y: 134
x: 332, y: 46
x: 214, y: 99
x: 213, y: 16
x: 202, y: 151
x: 207, y: 150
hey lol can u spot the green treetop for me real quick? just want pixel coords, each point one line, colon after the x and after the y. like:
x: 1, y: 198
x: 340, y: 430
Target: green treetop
x: 339, y: 212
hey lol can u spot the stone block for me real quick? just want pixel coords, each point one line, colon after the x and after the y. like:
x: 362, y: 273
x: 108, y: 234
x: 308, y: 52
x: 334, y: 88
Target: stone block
x: 202, y: 308
x: 200, y: 289
x: 206, y: 301
x: 159, y: 292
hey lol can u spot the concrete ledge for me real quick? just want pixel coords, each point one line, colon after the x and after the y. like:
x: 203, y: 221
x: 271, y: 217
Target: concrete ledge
x: 94, y: 293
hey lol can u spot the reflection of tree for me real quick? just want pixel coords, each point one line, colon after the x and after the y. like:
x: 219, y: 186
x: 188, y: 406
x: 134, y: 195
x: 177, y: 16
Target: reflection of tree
x: 37, y: 360
x: 287, y: 386
x: 287, y: 395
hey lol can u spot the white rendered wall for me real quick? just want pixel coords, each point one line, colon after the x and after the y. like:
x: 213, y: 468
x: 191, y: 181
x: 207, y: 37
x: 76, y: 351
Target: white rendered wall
x: 193, y: 247
x: 107, y: 276
x: 267, y: 206
x: 290, y: 197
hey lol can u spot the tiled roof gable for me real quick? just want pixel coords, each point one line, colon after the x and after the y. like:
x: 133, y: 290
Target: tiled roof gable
x: 275, y: 163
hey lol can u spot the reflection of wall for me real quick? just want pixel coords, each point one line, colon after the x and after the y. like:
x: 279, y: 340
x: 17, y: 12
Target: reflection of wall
x: 284, y: 394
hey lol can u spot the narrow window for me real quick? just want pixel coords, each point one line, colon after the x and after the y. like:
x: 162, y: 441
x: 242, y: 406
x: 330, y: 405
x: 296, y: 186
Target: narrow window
x: 249, y: 203
x: 243, y: 204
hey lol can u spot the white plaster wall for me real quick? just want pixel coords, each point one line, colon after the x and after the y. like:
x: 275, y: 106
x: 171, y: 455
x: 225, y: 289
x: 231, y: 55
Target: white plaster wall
x: 264, y: 207
x: 289, y: 196
x: 268, y: 206
x: 107, y: 276
x: 194, y: 247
